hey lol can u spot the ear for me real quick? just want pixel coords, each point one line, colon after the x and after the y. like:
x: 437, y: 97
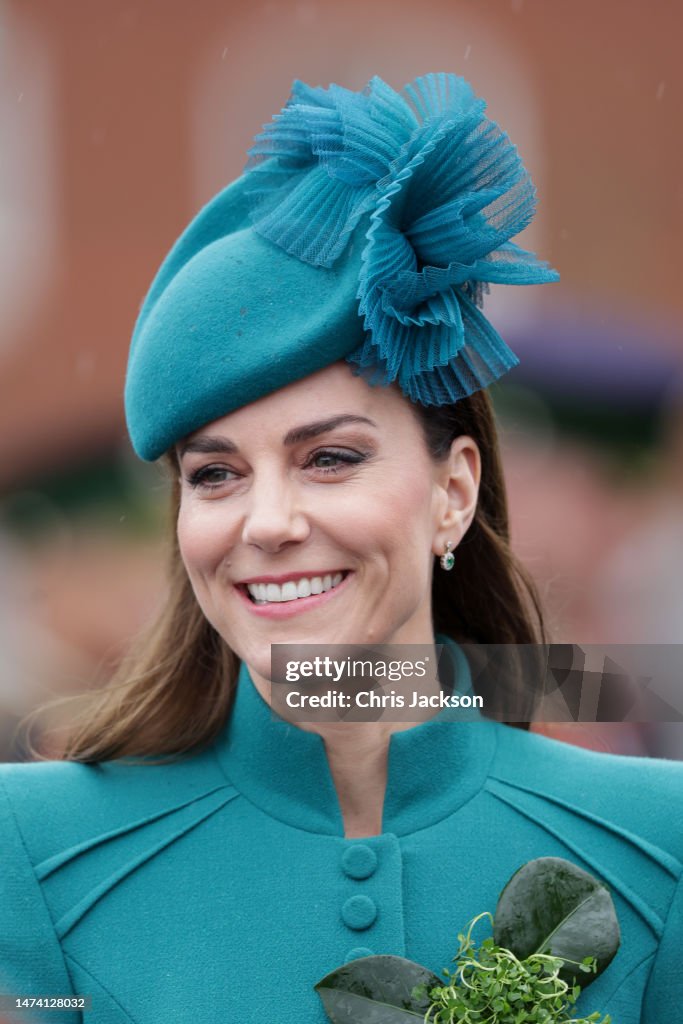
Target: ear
x: 457, y: 488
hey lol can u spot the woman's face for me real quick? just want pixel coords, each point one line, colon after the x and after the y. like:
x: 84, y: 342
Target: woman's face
x: 312, y: 516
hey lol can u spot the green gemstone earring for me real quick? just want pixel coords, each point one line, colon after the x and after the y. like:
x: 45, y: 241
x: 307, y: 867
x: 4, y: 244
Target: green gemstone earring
x: 448, y: 558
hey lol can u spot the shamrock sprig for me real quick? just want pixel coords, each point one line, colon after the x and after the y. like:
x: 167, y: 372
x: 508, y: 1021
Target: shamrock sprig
x: 490, y: 985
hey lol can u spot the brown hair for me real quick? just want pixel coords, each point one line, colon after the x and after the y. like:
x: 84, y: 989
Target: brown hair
x: 488, y: 598
x: 173, y: 693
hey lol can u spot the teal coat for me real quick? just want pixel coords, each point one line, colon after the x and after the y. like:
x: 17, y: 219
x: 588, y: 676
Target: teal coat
x: 221, y: 888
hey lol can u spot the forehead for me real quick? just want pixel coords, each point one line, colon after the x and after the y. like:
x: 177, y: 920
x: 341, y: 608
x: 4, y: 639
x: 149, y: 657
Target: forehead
x: 331, y: 391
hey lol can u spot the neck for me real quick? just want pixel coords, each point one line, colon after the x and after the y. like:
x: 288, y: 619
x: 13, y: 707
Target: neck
x: 357, y: 756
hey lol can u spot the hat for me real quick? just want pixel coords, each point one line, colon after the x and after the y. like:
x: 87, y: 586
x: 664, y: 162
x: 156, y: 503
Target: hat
x: 367, y: 227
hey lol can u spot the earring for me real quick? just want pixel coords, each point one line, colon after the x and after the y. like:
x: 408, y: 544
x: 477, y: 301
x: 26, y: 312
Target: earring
x: 447, y: 559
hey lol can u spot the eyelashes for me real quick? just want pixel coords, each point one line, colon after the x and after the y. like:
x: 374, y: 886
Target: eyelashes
x: 214, y: 476
x: 343, y: 456
x: 206, y: 476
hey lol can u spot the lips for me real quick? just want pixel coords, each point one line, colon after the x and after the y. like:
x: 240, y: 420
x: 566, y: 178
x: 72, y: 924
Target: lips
x: 294, y: 587
x: 284, y: 606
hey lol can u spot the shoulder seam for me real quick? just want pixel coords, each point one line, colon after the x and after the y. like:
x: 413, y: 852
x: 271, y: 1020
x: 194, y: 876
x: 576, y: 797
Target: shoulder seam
x: 615, y: 992
x: 32, y: 870
x: 661, y: 938
x: 104, y: 988
x: 221, y: 769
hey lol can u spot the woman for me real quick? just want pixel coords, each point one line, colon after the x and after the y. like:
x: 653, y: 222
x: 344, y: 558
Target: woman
x: 316, y: 507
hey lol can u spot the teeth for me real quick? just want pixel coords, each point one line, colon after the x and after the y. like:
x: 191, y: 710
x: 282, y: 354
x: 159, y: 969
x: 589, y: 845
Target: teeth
x: 266, y: 593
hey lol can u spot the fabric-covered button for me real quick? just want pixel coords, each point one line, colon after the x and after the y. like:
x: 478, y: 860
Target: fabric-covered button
x: 359, y: 861
x: 359, y: 912
x: 356, y: 953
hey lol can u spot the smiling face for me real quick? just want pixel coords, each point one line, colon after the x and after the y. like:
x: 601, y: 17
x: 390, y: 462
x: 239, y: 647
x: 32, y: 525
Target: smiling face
x: 312, y: 516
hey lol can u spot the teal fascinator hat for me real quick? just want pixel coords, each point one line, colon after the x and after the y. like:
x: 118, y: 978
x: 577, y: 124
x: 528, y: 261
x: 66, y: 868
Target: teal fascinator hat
x: 367, y: 226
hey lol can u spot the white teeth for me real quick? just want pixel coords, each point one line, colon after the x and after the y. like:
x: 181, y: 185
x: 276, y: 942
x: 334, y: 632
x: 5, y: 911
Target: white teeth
x: 265, y: 593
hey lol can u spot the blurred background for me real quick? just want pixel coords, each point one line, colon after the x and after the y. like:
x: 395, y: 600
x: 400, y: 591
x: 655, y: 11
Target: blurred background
x: 118, y: 120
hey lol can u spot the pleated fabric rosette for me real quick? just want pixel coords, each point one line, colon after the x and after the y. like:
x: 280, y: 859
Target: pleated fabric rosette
x: 443, y: 190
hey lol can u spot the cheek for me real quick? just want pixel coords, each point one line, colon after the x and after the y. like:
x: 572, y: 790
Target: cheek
x: 409, y: 511
x: 397, y: 520
x: 201, y: 539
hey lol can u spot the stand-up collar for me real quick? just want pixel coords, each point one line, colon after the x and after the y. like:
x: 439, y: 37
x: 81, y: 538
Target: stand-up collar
x: 433, y: 768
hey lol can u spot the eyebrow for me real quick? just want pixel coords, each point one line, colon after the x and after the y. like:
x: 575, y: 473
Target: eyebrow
x: 296, y: 435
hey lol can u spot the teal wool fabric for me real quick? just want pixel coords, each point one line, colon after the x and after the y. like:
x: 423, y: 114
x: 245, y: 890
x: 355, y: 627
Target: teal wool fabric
x: 220, y: 887
x: 230, y: 317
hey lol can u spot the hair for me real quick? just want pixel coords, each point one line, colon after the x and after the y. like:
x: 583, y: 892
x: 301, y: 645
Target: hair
x: 172, y: 694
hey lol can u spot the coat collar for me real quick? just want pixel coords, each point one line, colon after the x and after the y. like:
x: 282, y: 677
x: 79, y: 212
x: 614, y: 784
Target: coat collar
x: 433, y: 768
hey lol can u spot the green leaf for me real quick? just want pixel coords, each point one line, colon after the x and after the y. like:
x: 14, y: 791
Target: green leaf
x: 552, y: 906
x: 377, y: 990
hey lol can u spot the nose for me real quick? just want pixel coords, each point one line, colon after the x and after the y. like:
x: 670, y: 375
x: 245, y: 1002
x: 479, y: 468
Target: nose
x: 274, y: 517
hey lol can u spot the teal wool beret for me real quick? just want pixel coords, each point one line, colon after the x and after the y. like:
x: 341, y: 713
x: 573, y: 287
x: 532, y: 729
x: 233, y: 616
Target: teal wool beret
x: 367, y: 227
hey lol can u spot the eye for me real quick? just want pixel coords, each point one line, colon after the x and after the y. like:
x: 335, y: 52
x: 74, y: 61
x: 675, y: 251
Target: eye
x: 334, y: 460
x: 210, y: 477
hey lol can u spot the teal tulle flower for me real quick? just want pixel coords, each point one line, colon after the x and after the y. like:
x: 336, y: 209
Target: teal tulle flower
x: 437, y: 189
